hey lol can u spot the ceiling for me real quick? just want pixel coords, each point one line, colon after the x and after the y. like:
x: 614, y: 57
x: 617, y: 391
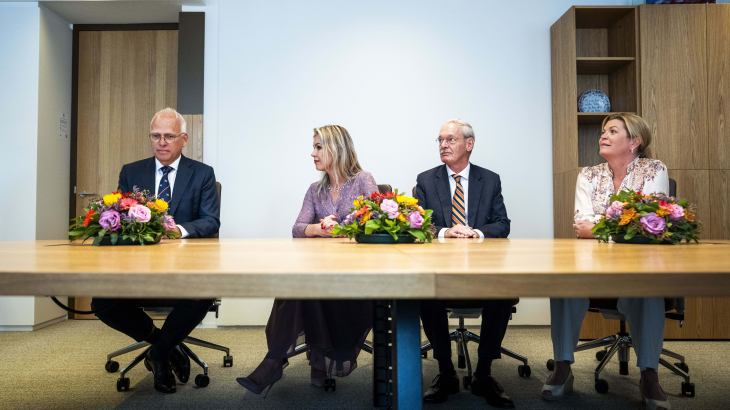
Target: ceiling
x: 119, y: 12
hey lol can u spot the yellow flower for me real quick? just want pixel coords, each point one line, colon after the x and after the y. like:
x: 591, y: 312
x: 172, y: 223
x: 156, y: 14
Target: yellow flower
x: 627, y: 216
x: 111, y: 199
x: 161, y: 205
x: 411, y: 201
x: 401, y: 217
x: 421, y: 211
x: 365, y: 217
x: 400, y: 199
x: 358, y: 201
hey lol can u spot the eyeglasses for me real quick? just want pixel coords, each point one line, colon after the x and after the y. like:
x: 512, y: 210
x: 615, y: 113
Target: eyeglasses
x: 450, y: 141
x: 156, y: 138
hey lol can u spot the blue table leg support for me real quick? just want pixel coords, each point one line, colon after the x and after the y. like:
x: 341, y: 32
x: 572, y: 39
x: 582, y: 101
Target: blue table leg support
x: 407, y: 354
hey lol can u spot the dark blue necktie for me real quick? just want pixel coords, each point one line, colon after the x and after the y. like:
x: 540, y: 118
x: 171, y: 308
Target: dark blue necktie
x: 163, y: 192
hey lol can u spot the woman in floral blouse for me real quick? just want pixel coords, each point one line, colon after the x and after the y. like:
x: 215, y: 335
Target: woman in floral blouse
x: 623, y: 143
x: 334, y: 330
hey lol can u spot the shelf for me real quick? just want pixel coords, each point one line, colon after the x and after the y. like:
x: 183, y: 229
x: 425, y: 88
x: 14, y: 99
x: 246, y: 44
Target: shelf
x: 593, y: 118
x: 601, y: 65
x: 600, y: 16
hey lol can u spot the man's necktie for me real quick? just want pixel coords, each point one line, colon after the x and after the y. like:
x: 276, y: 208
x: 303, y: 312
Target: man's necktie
x: 163, y: 191
x: 458, y: 209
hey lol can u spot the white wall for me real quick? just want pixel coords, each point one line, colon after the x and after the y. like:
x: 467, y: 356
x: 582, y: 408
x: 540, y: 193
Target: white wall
x: 391, y: 73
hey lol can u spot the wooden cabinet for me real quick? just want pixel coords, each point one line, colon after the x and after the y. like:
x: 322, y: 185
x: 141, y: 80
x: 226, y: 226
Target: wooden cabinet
x: 671, y: 65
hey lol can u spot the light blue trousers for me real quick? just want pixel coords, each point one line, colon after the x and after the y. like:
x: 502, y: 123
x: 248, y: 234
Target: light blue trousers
x: 645, y: 317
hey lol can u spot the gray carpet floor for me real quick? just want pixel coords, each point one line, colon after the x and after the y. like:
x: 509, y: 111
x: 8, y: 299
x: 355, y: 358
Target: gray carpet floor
x: 62, y: 367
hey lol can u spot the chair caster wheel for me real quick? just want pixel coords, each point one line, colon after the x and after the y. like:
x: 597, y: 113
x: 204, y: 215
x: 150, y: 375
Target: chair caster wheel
x: 600, y: 355
x: 601, y: 386
x: 683, y: 367
x: 424, y: 355
x: 202, y: 380
x: 551, y: 365
x: 330, y: 384
x: 688, y: 389
x: 462, y: 362
x: 467, y: 382
x: 524, y: 370
x: 123, y: 384
x: 227, y: 361
x: 111, y: 366
x: 623, y: 368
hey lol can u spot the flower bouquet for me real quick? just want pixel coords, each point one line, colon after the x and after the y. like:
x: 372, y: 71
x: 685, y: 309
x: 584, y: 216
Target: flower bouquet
x: 634, y: 217
x: 386, y: 218
x: 134, y: 217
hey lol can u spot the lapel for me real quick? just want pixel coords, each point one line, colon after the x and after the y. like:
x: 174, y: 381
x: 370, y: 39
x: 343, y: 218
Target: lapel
x: 148, y: 176
x: 444, y: 192
x: 184, y: 173
x: 475, y: 192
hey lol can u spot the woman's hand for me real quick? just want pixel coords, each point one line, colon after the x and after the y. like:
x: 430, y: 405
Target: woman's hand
x: 583, y: 230
x: 328, y: 222
x: 321, y: 229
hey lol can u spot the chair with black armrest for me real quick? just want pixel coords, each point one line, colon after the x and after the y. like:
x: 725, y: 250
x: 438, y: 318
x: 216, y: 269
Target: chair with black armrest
x: 468, y: 309
x: 201, y: 380
x: 329, y: 382
x: 621, y: 342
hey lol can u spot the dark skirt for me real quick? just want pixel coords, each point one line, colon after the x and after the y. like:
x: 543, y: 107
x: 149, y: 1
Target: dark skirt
x: 334, y: 330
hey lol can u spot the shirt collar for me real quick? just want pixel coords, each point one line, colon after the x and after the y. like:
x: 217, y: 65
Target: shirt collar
x: 175, y: 165
x: 464, y: 174
x: 629, y: 167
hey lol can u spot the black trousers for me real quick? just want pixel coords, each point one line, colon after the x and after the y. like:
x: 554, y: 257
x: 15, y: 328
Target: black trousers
x: 129, y: 318
x: 495, y: 317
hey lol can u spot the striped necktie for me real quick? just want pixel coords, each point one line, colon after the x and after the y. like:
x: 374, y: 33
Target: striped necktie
x: 458, y: 209
x: 163, y: 191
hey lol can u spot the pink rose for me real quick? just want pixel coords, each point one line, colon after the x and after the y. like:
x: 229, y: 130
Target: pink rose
x: 141, y: 213
x: 390, y: 207
x: 614, y: 211
x: 415, y: 219
x: 109, y: 220
x: 168, y: 223
x: 127, y: 203
x: 677, y: 212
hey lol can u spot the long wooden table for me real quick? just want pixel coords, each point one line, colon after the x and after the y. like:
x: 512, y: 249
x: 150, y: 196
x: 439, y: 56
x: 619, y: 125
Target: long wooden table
x: 338, y: 268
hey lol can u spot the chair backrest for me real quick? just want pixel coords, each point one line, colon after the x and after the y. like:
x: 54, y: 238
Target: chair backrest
x: 413, y: 192
x: 672, y: 187
x: 385, y: 188
x: 218, y: 188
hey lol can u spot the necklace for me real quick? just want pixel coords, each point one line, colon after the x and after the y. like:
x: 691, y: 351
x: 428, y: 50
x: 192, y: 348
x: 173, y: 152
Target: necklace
x: 338, y: 190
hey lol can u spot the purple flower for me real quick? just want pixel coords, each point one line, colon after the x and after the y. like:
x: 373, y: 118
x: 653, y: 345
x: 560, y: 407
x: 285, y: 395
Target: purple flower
x: 375, y: 215
x: 141, y: 213
x: 126, y: 218
x: 109, y: 220
x: 653, y: 224
x: 390, y: 207
x: 416, y: 219
x: 614, y: 211
x: 677, y: 212
x: 168, y: 223
x: 349, y: 218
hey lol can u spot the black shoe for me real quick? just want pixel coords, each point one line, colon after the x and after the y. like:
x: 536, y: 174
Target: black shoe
x: 491, y: 390
x: 164, y: 380
x: 443, y: 385
x: 180, y: 363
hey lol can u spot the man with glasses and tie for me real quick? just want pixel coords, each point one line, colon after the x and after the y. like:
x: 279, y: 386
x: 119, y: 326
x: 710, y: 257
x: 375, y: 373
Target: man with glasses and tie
x: 467, y: 203
x: 189, y: 188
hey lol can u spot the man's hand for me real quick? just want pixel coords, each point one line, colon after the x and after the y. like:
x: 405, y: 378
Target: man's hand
x: 583, y: 230
x: 177, y: 229
x: 460, y: 231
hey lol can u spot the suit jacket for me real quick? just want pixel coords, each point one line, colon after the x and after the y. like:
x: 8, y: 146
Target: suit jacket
x: 485, y: 208
x: 194, y: 205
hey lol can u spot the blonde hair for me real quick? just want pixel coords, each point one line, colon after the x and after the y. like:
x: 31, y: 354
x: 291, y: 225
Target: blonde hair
x: 171, y: 112
x: 466, y: 130
x: 636, y: 127
x: 337, y: 145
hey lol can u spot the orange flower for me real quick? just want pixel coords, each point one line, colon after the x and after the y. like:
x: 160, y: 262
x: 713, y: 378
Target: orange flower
x: 689, y: 216
x: 365, y: 218
x: 627, y: 216
x: 360, y: 212
x: 89, y: 214
x: 401, y: 217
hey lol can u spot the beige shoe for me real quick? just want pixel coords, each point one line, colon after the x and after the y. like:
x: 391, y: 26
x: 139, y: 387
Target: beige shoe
x: 552, y: 393
x: 652, y: 404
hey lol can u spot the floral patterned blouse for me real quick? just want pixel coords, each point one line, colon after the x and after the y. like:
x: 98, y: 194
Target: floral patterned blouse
x: 315, y: 208
x: 595, y: 186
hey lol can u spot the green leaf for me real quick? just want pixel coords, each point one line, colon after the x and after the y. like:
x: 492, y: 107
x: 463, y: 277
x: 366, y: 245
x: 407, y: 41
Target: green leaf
x: 418, y: 234
x: 114, y: 237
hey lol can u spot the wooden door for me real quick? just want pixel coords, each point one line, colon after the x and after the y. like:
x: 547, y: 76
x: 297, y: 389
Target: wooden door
x: 124, y: 78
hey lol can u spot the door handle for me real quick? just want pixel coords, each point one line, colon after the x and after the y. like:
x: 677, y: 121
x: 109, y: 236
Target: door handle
x: 83, y: 194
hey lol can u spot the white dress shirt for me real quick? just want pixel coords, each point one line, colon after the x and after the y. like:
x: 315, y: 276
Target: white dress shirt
x: 170, y: 178
x: 464, y: 174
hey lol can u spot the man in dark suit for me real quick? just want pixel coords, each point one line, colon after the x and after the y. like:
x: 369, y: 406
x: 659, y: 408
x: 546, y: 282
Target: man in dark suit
x: 190, y: 190
x: 467, y: 203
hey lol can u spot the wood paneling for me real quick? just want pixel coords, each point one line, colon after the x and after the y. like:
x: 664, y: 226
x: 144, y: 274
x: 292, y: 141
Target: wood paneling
x: 718, y: 224
x: 588, y: 136
x: 564, y: 97
x: 695, y: 187
x: 622, y: 38
x: 718, y: 52
x: 698, y: 321
x: 674, y: 83
x: 622, y: 88
x: 591, y: 42
x: 721, y: 318
x: 595, y: 327
x: 194, y: 149
x: 564, y: 203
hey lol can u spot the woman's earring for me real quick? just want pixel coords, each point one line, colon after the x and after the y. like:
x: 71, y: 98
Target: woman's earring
x: 632, y: 150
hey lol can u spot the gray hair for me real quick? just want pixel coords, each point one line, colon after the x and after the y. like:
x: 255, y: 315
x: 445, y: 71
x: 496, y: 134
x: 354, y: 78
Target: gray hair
x: 466, y: 130
x: 171, y: 112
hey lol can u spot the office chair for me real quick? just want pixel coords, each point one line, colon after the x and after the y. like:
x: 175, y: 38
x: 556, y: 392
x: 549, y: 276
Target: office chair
x: 621, y: 342
x: 329, y: 382
x: 462, y: 336
x: 202, y: 380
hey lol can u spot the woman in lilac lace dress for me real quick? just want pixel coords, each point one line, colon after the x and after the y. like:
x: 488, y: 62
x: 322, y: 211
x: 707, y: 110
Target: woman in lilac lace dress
x: 334, y: 330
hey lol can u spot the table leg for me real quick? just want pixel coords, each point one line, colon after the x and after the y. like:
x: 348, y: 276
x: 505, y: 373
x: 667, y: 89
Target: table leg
x: 407, y: 354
